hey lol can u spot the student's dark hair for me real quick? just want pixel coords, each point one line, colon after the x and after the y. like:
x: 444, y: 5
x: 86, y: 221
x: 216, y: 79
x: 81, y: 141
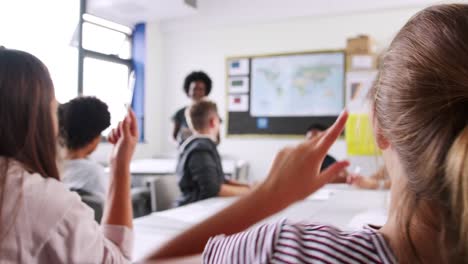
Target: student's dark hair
x: 197, y: 76
x: 27, y: 124
x: 316, y: 127
x: 198, y: 114
x: 421, y: 107
x: 81, y: 120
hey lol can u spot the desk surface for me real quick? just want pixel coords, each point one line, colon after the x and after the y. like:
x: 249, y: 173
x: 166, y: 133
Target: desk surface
x: 168, y: 166
x: 336, y: 204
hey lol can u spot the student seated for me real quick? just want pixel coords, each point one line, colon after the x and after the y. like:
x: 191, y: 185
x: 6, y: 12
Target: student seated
x: 419, y: 109
x: 199, y: 165
x: 81, y: 122
x: 41, y: 220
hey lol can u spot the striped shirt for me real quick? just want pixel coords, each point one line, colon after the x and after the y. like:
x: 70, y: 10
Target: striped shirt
x: 285, y: 242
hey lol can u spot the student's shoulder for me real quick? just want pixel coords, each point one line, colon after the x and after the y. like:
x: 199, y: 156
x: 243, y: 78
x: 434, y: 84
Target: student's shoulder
x: 46, y: 201
x: 201, y: 145
x: 47, y: 196
x: 365, y: 245
x: 90, y: 166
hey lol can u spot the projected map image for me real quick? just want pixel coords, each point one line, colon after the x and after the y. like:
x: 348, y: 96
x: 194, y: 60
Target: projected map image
x: 297, y: 85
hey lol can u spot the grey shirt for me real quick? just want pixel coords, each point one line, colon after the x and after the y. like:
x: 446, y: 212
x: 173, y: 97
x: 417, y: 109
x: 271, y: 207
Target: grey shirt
x: 86, y: 175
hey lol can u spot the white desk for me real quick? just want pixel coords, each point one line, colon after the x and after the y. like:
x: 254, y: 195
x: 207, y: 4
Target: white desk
x: 339, y: 205
x: 167, y: 166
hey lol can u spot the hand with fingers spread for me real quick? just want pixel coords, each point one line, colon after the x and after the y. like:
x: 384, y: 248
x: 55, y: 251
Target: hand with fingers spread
x: 295, y: 173
x: 124, y: 138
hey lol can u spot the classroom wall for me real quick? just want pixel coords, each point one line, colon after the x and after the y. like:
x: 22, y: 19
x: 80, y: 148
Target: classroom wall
x: 182, y: 51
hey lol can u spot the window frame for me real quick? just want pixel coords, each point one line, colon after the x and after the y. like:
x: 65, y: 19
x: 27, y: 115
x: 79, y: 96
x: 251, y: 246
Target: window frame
x: 86, y: 53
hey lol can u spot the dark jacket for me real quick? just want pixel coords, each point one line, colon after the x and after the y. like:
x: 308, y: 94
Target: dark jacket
x: 199, y: 170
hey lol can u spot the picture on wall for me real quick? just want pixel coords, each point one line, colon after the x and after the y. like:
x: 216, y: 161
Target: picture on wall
x: 298, y: 85
x: 283, y: 94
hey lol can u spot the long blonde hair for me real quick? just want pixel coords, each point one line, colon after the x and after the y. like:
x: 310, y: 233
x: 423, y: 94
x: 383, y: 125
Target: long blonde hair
x: 421, y: 106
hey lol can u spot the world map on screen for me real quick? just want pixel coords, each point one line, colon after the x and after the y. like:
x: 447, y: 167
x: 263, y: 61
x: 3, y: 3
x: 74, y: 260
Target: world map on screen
x: 297, y: 85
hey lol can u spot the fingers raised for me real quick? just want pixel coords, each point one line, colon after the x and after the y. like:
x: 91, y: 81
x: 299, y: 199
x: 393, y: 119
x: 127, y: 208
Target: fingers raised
x: 331, y: 172
x: 111, y: 137
x: 131, y: 118
x: 329, y: 137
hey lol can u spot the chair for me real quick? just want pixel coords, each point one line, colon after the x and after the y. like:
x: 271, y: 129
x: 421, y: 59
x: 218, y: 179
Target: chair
x: 164, y: 192
x: 242, y: 170
x: 141, y: 201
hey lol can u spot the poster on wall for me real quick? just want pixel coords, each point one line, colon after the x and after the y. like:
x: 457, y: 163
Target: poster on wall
x: 238, y: 67
x: 238, y: 85
x: 298, y: 85
x: 358, y: 85
x: 238, y: 103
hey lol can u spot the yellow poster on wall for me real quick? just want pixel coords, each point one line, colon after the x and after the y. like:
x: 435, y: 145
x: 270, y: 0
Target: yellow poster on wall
x: 359, y: 136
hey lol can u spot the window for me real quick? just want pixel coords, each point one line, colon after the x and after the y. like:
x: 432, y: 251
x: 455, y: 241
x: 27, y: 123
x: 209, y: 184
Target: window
x: 108, y: 81
x: 107, y: 65
x: 38, y: 28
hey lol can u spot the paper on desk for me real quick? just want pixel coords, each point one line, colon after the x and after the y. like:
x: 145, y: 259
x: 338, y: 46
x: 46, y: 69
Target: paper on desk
x: 321, y: 195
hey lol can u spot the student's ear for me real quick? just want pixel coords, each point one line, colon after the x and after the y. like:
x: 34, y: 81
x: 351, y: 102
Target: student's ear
x: 212, y: 122
x: 382, y: 141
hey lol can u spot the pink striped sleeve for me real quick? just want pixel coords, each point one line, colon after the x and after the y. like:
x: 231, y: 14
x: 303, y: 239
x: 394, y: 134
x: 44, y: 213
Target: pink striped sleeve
x: 252, y: 246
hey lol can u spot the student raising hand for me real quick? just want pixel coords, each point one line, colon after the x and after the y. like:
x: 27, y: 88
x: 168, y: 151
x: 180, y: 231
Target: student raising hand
x: 295, y: 173
x: 293, y: 176
x: 124, y: 138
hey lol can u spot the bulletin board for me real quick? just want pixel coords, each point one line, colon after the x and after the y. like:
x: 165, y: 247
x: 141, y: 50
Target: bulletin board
x: 284, y: 94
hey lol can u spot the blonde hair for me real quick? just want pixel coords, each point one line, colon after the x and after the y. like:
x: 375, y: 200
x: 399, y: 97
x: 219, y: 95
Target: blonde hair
x: 421, y: 107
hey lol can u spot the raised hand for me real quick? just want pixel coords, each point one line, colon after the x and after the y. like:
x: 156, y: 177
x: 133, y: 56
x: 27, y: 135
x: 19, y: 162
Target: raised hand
x: 295, y: 172
x: 124, y: 138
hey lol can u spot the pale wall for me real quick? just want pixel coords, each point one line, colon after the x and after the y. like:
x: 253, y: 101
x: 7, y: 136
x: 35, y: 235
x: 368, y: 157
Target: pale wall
x: 174, y: 53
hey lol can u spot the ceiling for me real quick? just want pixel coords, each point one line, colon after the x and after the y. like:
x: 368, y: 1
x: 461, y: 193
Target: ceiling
x: 176, y: 14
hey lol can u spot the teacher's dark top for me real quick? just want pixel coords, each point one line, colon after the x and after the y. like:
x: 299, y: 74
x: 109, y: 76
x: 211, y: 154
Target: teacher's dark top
x: 184, y: 130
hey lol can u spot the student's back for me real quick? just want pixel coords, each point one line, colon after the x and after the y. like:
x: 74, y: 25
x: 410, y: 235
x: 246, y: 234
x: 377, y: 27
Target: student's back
x: 81, y: 122
x: 199, y: 170
x: 37, y: 213
x: 85, y: 175
x: 199, y: 165
x: 42, y: 221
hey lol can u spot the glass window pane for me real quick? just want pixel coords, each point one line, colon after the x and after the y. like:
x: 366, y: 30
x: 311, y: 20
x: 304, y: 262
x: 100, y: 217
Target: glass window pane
x: 34, y: 28
x: 104, y: 40
x: 108, y: 81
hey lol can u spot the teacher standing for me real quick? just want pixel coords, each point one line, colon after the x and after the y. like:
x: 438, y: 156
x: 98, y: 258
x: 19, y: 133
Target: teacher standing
x: 197, y: 85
